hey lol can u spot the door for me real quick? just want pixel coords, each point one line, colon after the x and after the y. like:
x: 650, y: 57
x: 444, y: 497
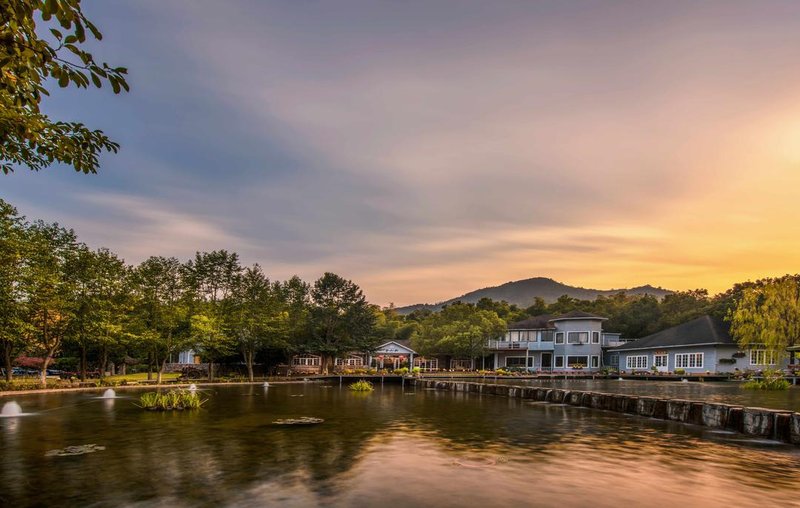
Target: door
x: 547, y: 361
x: 660, y: 362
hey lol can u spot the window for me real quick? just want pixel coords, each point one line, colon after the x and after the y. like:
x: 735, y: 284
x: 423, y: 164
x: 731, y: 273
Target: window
x: 636, y: 362
x: 595, y: 362
x: 306, y: 360
x: 595, y: 337
x: 352, y: 361
x: 689, y: 361
x: 547, y: 336
x: 660, y: 361
x: 574, y: 361
x: 559, y: 364
x: 559, y: 337
x: 578, y: 338
x: 515, y: 361
x: 761, y: 357
x: 426, y: 364
x: 613, y: 360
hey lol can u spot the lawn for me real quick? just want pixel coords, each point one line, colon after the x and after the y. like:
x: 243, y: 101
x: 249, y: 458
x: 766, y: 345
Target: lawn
x: 142, y: 376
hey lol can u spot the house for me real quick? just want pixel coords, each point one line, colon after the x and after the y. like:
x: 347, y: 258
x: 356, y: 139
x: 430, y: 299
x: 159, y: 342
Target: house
x: 697, y: 346
x: 390, y: 355
x: 571, y: 342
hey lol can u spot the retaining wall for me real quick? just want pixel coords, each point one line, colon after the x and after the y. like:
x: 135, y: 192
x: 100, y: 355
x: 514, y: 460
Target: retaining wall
x: 775, y: 424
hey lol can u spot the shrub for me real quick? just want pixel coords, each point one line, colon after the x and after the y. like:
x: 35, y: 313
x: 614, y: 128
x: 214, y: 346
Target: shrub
x: 680, y: 372
x: 401, y: 371
x: 772, y: 380
x: 416, y: 371
x: 361, y: 386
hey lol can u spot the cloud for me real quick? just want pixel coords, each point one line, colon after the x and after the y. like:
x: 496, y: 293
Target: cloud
x: 425, y: 151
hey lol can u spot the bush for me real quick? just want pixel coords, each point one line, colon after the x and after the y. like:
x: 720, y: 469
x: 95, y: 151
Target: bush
x: 401, y: 372
x: 361, y: 386
x: 680, y: 372
x: 416, y: 371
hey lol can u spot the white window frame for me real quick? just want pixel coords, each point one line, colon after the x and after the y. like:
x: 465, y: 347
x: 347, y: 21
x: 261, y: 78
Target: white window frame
x: 656, y: 361
x: 569, y: 364
x: 594, y: 362
x: 559, y: 337
x: 761, y: 354
x: 579, y: 341
x: 595, y: 337
x: 350, y: 361
x: 307, y: 361
x: 685, y: 360
x: 426, y: 364
x: 634, y: 362
x: 556, y: 362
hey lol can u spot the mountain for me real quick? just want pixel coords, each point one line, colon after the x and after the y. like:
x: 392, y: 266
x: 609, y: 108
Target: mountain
x: 522, y: 293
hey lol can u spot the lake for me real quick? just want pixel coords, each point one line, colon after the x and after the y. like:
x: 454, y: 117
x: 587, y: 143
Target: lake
x: 394, y: 446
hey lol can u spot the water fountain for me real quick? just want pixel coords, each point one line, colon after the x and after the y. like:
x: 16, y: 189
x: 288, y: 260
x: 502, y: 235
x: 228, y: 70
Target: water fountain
x: 11, y: 410
x: 266, y: 385
x: 192, y: 387
x: 109, y: 394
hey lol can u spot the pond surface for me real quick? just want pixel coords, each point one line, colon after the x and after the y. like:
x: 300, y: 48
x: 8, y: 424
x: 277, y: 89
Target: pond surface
x: 730, y: 392
x: 392, y: 447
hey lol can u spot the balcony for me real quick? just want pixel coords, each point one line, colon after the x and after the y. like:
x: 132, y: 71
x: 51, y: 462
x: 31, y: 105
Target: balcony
x: 522, y: 345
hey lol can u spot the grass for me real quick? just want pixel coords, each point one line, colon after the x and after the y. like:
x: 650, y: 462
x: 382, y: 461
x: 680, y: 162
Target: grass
x: 173, y: 400
x: 142, y: 376
x: 362, y: 386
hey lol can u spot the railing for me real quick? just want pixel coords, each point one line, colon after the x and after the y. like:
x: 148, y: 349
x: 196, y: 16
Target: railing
x: 522, y: 345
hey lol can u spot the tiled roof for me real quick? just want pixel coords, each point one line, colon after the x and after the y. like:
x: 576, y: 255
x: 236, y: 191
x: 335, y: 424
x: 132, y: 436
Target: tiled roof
x: 703, y: 330
x: 577, y: 314
x: 532, y: 323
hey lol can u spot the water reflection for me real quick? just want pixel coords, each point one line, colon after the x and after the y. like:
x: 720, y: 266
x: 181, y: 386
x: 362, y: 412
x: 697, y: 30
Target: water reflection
x: 383, y: 448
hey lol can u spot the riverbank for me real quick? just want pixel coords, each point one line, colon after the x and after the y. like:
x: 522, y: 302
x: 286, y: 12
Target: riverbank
x: 10, y: 393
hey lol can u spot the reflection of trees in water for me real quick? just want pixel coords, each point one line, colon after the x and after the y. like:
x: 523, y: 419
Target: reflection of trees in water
x: 231, y: 447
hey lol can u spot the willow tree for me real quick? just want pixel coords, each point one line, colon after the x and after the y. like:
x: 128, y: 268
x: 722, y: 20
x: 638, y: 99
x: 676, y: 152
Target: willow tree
x: 768, y: 316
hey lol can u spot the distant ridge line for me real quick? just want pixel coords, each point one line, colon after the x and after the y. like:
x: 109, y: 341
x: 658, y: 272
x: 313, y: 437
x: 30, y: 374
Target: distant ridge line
x: 523, y: 292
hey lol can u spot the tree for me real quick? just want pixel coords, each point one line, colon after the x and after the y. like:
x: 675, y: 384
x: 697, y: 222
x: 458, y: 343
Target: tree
x: 13, y: 253
x: 460, y: 330
x: 768, y: 316
x: 48, y: 291
x: 257, y: 315
x: 208, y: 336
x: 101, y: 299
x: 160, y: 310
x: 29, y: 137
x: 340, y: 319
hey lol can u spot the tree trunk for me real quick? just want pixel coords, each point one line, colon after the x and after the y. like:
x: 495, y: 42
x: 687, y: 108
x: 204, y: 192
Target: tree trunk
x: 161, y: 371
x: 248, y: 359
x: 103, y: 362
x: 7, y: 362
x: 83, y: 362
x: 45, y: 363
x: 210, y: 370
x: 149, y: 366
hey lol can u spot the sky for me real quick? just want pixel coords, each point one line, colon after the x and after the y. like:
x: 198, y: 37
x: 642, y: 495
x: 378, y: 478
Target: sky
x: 424, y: 149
